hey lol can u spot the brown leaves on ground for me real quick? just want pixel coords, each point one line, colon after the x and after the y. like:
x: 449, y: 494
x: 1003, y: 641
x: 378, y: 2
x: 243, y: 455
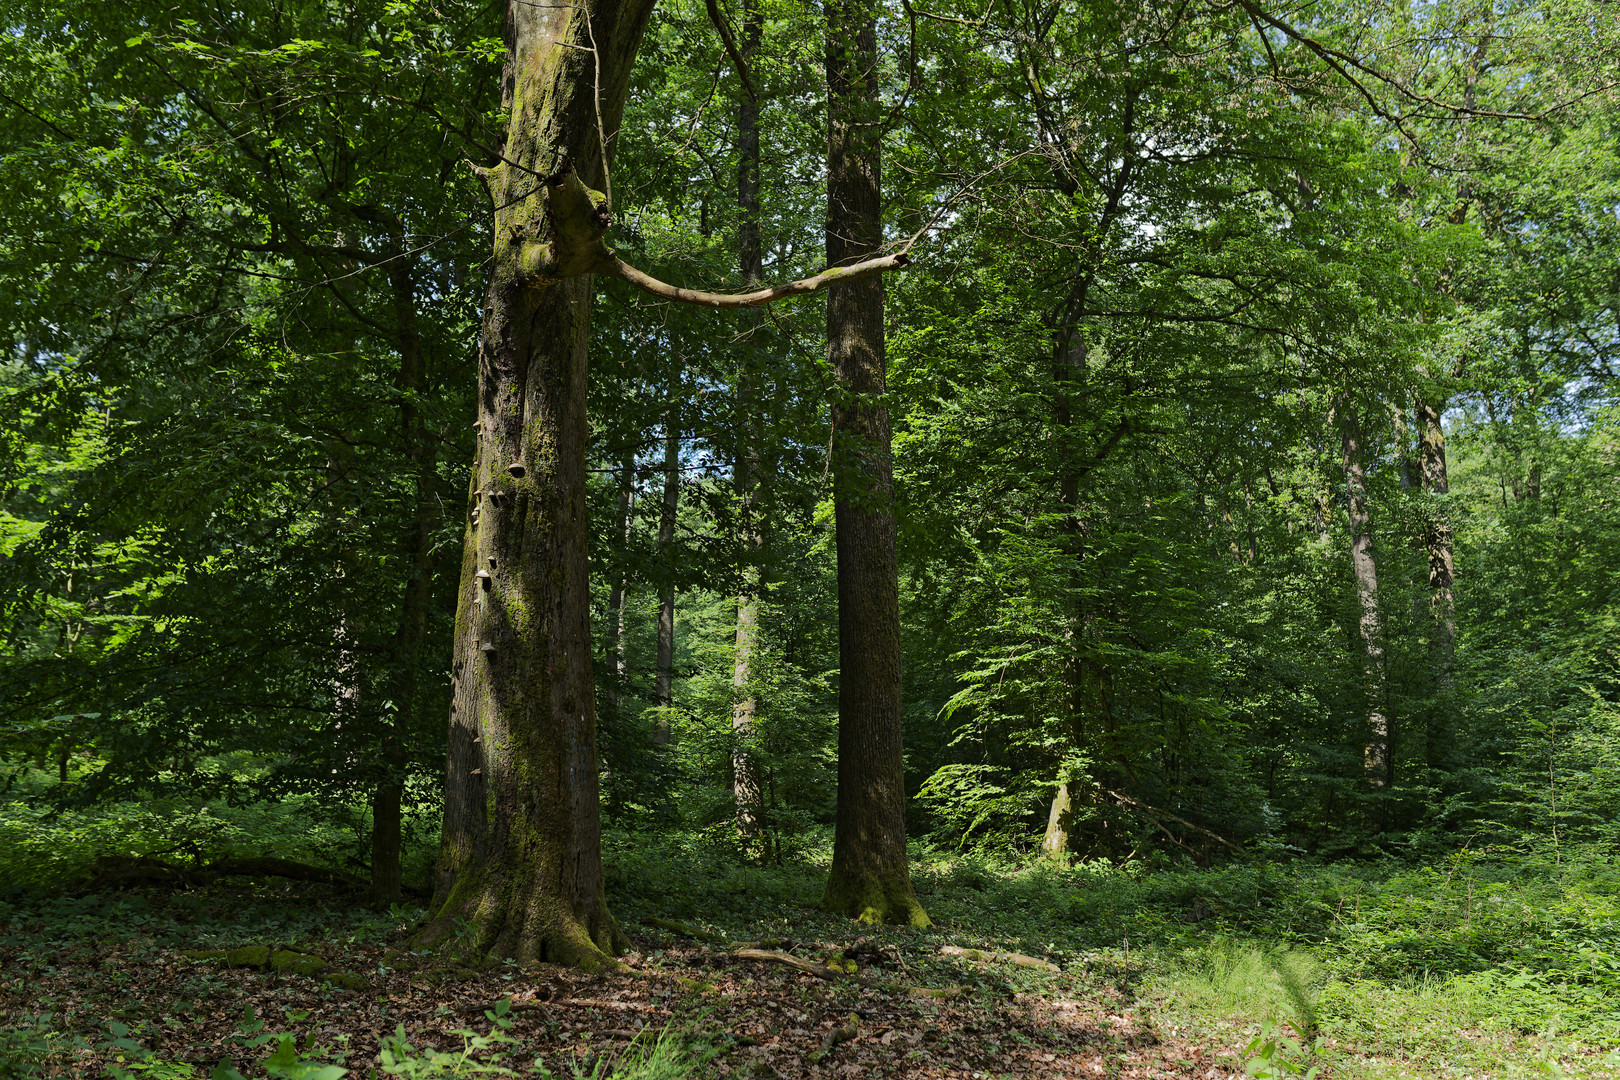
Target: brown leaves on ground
x: 765, y: 1020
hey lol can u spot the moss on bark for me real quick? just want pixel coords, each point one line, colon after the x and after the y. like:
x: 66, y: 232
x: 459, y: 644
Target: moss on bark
x: 876, y: 899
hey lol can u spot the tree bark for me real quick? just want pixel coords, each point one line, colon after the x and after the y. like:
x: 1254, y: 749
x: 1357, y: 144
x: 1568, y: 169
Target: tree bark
x: 869, y: 878
x: 416, y: 596
x: 1437, y: 538
x: 520, y: 866
x: 663, y: 692
x: 1442, y: 575
x: 618, y: 595
x: 1059, y: 824
x: 1376, y: 758
x: 747, y: 791
x: 520, y: 858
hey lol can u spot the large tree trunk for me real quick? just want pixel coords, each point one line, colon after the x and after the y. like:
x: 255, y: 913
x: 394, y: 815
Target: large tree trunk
x: 411, y: 628
x: 746, y: 787
x: 869, y: 878
x: 520, y: 859
x: 1377, y: 759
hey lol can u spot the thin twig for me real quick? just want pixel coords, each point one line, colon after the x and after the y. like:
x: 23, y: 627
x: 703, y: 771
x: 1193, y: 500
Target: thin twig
x: 601, y: 132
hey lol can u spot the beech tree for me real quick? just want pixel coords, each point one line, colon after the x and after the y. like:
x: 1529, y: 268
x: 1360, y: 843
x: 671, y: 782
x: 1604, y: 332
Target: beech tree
x: 520, y: 857
x: 869, y: 878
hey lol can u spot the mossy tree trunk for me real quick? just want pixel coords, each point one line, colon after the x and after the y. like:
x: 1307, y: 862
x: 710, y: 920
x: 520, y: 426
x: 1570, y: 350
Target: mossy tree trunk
x: 520, y: 859
x: 520, y: 868
x: 869, y: 878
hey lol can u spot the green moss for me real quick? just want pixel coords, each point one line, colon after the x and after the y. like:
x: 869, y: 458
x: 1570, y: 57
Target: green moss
x: 253, y: 956
x: 875, y: 901
x: 399, y: 960
x: 347, y: 980
x: 281, y: 961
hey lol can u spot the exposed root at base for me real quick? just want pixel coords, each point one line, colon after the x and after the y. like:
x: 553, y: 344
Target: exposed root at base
x: 483, y: 938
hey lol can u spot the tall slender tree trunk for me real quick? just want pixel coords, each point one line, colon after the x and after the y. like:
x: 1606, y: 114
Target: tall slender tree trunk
x: 664, y: 679
x: 1442, y: 572
x: 1377, y: 758
x: 1437, y: 538
x: 520, y: 859
x: 1059, y: 824
x: 869, y: 879
x: 411, y: 628
x: 1069, y: 375
x: 746, y: 788
x: 619, y: 593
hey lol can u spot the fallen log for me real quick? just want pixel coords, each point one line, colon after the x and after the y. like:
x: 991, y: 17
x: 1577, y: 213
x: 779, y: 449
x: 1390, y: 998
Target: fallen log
x: 686, y: 930
x: 985, y: 956
x: 150, y: 870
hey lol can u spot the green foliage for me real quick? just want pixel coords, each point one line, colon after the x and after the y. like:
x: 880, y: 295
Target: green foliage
x: 1274, y: 1055
x: 400, y: 1058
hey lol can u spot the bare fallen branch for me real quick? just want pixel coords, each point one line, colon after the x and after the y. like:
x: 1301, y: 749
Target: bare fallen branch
x: 985, y: 956
x: 1152, y: 811
x: 840, y: 1034
x: 771, y: 956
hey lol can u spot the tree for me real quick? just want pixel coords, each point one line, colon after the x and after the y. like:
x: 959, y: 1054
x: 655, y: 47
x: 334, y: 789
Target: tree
x: 520, y: 858
x: 869, y: 878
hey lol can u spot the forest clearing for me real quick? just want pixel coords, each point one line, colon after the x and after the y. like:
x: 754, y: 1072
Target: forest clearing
x: 807, y: 538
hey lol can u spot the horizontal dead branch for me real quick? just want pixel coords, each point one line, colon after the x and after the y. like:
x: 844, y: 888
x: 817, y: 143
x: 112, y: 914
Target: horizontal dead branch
x: 687, y: 930
x: 618, y: 268
x: 771, y: 956
x: 938, y: 993
x: 622, y: 1006
x: 148, y: 870
x: 985, y: 956
x: 1125, y: 800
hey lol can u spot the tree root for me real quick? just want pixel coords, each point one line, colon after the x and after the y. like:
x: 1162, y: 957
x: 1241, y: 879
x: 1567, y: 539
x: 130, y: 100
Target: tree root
x: 837, y: 1035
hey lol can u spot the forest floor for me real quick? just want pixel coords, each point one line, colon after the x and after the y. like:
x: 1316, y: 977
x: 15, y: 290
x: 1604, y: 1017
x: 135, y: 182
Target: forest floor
x: 1481, y: 972
x: 735, y: 1017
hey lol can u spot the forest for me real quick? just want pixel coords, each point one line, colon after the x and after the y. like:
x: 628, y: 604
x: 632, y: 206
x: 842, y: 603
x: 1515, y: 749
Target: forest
x: 776, y: 538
